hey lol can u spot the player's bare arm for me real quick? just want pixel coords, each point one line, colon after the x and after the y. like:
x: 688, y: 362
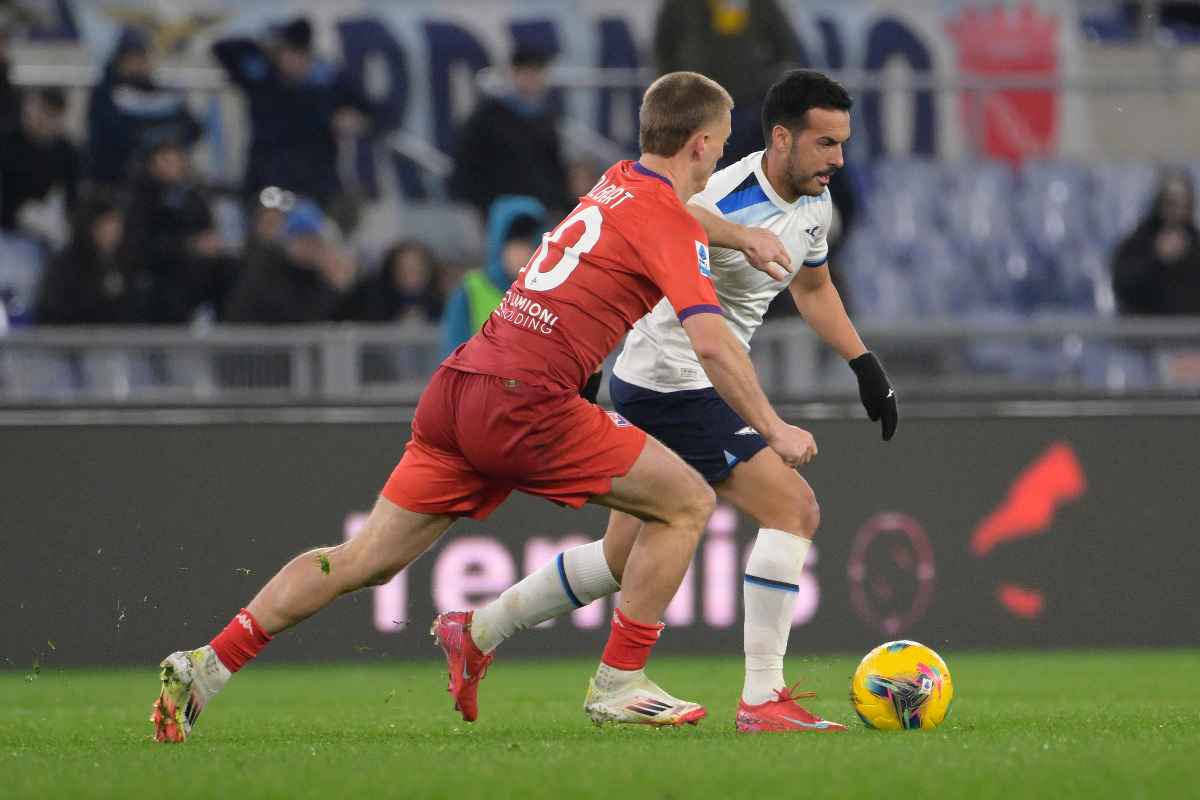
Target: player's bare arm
x: 728, y: 366
x: 818, y: 301
x: 762, y: 247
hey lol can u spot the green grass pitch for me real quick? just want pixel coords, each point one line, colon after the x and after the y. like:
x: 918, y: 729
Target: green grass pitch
x: 1063, y: 725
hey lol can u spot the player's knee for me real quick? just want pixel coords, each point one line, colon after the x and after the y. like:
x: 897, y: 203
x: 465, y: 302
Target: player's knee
x: 810, y: 514
x: 799, y: 514
x: 697, y: 506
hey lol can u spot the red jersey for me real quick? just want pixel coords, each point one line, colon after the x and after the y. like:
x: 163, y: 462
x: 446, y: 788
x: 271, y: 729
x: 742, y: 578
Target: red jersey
x: 628, y: 243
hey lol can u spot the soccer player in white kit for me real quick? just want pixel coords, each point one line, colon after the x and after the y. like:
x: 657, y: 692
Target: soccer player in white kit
x: 769, y: 210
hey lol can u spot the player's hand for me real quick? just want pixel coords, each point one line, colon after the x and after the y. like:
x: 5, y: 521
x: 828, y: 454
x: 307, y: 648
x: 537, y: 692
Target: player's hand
x: 794, y: 445
x: 765, y: 252
x: 876, y: 392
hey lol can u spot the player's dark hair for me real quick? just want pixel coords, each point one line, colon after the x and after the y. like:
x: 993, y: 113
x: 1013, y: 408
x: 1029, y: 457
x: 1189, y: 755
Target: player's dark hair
x: 796, y: 91
x: 676, y: 106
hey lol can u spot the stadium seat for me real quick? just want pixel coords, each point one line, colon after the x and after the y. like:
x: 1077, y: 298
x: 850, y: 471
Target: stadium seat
x: 973, y: 236
x: 1121, y: 196
x: 1115, y: 368
x: 1084, y: 278
x: 22, y: 261
x: 879, y: 285
x: 943, y: 278
x: 903, y: 197
x: 113, y: 373
x: 1005, y: 275
x: 977, y: 201
x: 187, y: 370
x: 30, y: 375
x: 1052, y: 202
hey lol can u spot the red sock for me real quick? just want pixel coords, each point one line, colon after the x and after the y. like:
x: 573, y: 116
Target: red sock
x: 630, y: 643
x: 240, y: 641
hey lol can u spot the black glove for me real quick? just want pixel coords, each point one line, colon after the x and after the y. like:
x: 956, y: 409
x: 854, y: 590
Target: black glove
x: 591, y: 389
x: 875, y: 390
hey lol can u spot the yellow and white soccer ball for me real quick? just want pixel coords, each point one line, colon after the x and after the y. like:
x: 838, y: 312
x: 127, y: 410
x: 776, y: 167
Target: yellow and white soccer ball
x: 901, y: 686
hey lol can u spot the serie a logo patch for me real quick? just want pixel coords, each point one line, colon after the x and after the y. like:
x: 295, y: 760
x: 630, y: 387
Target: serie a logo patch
x: 618, y: 420
x: 702, y: 259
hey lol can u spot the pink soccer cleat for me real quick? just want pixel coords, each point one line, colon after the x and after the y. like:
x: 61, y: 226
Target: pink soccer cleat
x: 782, y: 715
x: 467, y: 664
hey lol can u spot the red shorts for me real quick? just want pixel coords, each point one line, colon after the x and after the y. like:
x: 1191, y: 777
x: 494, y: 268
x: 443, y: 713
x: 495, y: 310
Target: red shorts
x: 476, y: 438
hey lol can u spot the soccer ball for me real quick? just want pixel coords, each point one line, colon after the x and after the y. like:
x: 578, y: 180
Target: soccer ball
x: 901, y: 686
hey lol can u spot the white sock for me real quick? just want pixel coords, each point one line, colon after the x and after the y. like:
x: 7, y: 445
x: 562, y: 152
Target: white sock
x: 573, y: 579
x: 770, y: 589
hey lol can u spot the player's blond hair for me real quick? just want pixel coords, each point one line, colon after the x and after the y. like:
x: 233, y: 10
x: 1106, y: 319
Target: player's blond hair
x: 676, y: 106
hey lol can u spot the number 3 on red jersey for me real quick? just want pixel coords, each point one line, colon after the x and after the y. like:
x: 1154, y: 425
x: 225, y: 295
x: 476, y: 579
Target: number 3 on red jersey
x: 538, y: 281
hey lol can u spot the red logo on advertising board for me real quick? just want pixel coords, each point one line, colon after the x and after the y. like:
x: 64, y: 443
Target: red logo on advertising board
x: 1054, y: 479
x: 1011, y: 124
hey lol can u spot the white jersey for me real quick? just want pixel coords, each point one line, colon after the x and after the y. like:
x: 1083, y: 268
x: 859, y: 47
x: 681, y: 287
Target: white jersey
x: 658, y: 354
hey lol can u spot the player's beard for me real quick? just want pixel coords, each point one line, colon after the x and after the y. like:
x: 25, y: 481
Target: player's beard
x: 805, y: 183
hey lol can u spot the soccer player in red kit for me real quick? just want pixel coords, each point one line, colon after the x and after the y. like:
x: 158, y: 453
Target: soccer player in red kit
x: 503, y: 412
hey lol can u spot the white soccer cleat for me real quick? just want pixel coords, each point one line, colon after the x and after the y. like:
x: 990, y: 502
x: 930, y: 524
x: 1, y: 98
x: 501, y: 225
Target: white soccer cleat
x: 189, y: 680
x: 636, y: 700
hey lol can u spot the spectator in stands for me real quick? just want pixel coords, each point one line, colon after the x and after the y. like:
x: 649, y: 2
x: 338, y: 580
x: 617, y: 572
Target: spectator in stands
x: 10, y: 99
x: 303, y: 278
x: 510, y: 143
x: 406, y: 286
x: 741, y: 44
x: 88, y: 283
x: 1156, y: 270
x: 268, y: 217
x: 299, y: 106
x: 36, y: 160
x: 515, y: 225
x: 126, y: 106
x: 171, y: 242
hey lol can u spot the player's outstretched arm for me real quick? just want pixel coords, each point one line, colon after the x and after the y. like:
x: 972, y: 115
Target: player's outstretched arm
x: 818, y: 301
x: 762, y: 248
x: 728, y: 366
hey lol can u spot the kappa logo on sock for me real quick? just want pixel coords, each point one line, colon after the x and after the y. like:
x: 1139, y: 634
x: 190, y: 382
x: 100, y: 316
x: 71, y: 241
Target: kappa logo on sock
x: 245, y: 622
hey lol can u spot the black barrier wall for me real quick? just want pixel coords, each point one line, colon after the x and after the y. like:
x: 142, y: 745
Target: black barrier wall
x: 124, y: 543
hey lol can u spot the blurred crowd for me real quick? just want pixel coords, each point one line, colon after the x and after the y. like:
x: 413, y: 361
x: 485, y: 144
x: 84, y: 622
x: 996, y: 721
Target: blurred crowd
x: 143, y: 243
x: 126, y: 232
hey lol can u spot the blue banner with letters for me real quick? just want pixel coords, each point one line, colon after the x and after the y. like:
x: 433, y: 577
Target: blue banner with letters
x: 417, y: 58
